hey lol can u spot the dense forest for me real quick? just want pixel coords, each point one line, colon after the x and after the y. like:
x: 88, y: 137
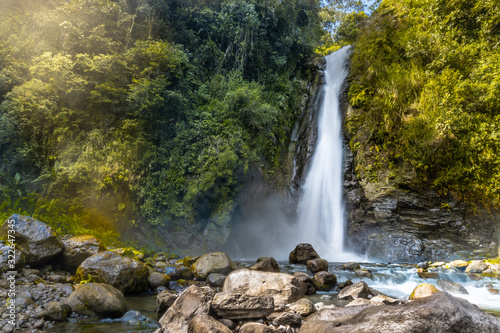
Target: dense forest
x: 119, y: 112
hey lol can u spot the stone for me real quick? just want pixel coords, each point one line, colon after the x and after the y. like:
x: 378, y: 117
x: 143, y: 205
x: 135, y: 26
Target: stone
x: 157, y: 279
x: 493, y: 291
x: 97, y: 299
x: 228, y: 323
x: 256, y: 328
x: 324, y: 281
x: 179, y: 273
x: 192, y: 302
x: 385, y: 300
x: 19, y: 258
x: 423, y: 290
x: 57, y: 311
x: 458, y: 265
x: 357, y: 290
x: 238, y: 306
x: 363, y: 273
x: 288, y: 319
x: 306, y: 282
x: 476, y: 266
x: 345, y: 284
x: 216, y: 280
x: 303, y: 307
x: 351, y: 266
x: 360, y: 301
x: 77, y: 249
x: 427, y: 275
x: 127, y: 275
x: 203, y: 323
x: 284, y: 288
x: 164, y: 300
x: 215, y: 262
x: 329, y: 314
x: 317, y: 265
x: 423, y: 265
x: 302, y: 253
x: 438, y: 313
x: 35, y: 239
x: 266, y: 265
x: 452, y: 287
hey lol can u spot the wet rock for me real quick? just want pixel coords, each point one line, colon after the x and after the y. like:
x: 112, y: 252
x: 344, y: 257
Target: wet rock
x: 216, y: 280
x: 363, y: 273
x: 175, y: 273
x: 452, y: 287
x: 351, y: 266
x: 164, y: 300
x: 215, y: 262
x: 19, y: 259
x: 125, y: 274
x: 493, y: 291
x: 203, y: 323
x: 238, y: 306
x: 438, y: 313
x: 302, y: 253
x: 35, y: 239
x: 156, y: 280
x: 458, y: 265
x: 255, y: 328
x: 423, y: 290
x: 98, y: 299
x: 324, y: 281
x: 188, y: 260
x: 357, y: 290
x: 476, y: 266
x: 77, y: 249
x: 360, y: 301
x: 303, y: 307
x: 284, y: 288
x: 317, y: 265
x: 306, y: 282
x: 266, y: 265
x: 423, y: 265
x: 345, y: 284
x: 192, y: 302
x: 56, y: 311
x: 288, y: 319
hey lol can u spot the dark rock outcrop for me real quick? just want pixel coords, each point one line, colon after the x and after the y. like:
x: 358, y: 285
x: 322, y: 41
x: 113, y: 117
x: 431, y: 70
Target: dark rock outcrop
x: 77, y: 249
x: 302, y: 253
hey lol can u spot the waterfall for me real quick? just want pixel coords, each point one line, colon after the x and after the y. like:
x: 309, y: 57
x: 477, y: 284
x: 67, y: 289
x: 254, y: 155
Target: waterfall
x: 321, y: 211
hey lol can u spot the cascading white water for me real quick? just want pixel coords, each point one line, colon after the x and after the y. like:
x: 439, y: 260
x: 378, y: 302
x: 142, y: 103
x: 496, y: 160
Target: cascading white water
x: 321, y: 210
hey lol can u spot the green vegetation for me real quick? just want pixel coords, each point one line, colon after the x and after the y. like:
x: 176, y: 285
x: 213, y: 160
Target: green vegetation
x: 425, y: 87
x: 118, y: 112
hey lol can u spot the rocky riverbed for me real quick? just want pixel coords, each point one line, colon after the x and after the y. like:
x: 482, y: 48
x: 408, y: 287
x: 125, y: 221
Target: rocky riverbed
x: 76, y: 284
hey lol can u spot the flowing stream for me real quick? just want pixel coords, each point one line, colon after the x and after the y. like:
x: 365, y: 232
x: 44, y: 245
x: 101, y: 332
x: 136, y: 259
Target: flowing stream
x: 321, y: 212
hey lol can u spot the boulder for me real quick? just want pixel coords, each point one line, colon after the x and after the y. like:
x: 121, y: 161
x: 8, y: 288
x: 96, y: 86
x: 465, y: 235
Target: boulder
x: 255, y: 328
x: 164, y: 300
x: 238, y: 306
x: 303, y: 307
x: 476, y: 266
x: 345, y: 284
x: 216, y: 280
x: 423, y: 290
x: 203, y: 323
x: 19, y: 259
x: 360, y: 301
x: 288, y: 319
x: 302, y: 253
x: 77, y: 249
x: 125, y: 274
x: 56, y: 311
x: 317, y: 265
x: 192, y: 302
x: 98, y: 299
x: 357, y: 290
x: 458, y: 265
x: 35, y: 239
x: 324, y: 281
x: 306, y: 282
x: 266, y: 265
x: 385, y: 300
x: 363, y: 273
x: 351, y: 266
x: 175, y: 273
x: 156, y: 280
x: 284, y: 288
x: 438, y: 313
x: 427, y: 275
x: 328, y: 314
x: 452, y: 287
x: 216, y: 262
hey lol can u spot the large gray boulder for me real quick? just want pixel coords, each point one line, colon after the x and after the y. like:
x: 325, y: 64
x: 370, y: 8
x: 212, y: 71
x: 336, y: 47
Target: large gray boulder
x: 357, y: 290
x: 215, y: 262
x: 451, y: 287
x: 284, y: 288
x: 238, y: 306
x: 302, y: 253
x: 127, y: 275
x: 438, y: 313
x: 97, y: 299
x: 192, y: 302
x: 35, y: 239
x: 165, y: 300
x: 77, y: 249
x: 324, y: 281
